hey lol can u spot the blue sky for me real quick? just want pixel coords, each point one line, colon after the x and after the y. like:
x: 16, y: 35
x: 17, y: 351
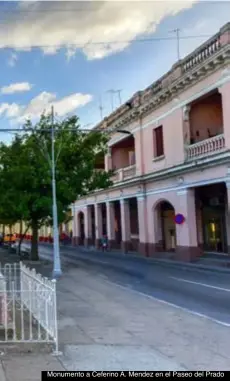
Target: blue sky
x: 74, y: 77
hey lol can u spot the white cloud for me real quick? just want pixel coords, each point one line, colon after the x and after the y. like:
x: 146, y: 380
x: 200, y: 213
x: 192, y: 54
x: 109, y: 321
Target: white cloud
x: 42, y: 104
x: 16, y: 88
x: 11, y: 110
x: 13, y: 59
x: 51, y: 24
x: 72, y: 102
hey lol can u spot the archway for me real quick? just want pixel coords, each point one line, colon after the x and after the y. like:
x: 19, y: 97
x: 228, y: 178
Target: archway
x: 165, y: 228
x: 81, y: 224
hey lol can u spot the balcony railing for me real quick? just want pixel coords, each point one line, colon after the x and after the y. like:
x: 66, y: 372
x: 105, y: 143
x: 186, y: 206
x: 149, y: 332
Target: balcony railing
x: 124, y: 173
x: 206, y: 147
x: 201, y: 54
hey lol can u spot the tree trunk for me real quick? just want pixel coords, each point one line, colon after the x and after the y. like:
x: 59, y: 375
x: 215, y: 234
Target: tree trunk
x: 22, y: 236
x: 34, y: 242
x: 10, y: 242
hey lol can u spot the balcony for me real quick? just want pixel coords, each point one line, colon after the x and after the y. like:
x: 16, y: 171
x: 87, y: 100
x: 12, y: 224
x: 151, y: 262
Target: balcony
x: 206, y: 147
x: 123, y: 174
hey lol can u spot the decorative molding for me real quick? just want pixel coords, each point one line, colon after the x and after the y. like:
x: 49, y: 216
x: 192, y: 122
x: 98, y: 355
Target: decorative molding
x: 177, y: 106
x: 141, y: 198
x: 226, y: 72
x: 181, y: 190
x: 180, y: 180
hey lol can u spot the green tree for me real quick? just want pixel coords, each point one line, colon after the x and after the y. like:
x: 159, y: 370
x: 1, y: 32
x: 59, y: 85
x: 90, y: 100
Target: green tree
x: 25, y: 166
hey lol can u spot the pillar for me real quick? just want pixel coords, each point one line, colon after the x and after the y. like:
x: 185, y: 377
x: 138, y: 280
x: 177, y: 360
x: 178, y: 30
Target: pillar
x: 98, y: 224
x: 143, y: 226
x: 187, y: 249
x: 228, y: 215
x: 108, y: 161
x: 110, y: 220
x: 186, y: 125
x: 125, y: 226
x: 225, y: 95
x: 88, y: 226
x: 76, y: 228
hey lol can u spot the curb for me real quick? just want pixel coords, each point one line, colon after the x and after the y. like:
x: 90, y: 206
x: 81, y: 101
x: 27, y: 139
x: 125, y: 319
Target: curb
x: 153, y: 261
x: 162, y: 262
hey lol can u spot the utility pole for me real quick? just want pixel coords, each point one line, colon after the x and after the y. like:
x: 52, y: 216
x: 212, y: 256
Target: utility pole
x: 57, y: 263
x: 177, y: 31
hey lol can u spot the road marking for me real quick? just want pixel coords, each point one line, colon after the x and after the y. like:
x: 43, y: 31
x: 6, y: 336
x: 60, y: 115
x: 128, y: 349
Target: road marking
x: 172, y: 304
x: 200, y: 284
x: 169, y: 304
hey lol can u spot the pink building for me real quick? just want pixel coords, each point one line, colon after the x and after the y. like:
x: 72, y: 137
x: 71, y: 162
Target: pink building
x: 170, y: 148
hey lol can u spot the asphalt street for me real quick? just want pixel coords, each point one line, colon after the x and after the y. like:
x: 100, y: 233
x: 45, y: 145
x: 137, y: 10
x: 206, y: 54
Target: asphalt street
x: 201, y: 293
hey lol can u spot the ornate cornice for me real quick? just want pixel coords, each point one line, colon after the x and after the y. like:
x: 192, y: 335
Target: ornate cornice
x: 205, y: 60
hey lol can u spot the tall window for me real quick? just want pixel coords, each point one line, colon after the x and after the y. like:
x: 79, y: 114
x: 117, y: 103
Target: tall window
x: 158, y: 141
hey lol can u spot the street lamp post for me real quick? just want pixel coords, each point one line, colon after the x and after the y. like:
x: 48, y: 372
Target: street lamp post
x: 56, y: 249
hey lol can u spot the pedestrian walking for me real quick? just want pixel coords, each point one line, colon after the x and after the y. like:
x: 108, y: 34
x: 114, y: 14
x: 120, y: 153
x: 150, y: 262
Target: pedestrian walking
x: 104, y: 243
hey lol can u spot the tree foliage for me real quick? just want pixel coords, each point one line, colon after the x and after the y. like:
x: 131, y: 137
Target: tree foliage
x: 25, y: 171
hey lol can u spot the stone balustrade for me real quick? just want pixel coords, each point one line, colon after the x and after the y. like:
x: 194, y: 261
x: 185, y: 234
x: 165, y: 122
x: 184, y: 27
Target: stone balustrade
x: 206, y: 147
x: 201, y: 54
x: 199, y: 57
x: 124, y: 173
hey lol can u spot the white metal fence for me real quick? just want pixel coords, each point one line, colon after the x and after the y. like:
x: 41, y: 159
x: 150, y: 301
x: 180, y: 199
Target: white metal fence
x: 28, y: 307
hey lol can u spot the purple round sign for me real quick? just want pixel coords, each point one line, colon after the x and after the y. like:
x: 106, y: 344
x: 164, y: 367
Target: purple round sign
x: 179, y: 219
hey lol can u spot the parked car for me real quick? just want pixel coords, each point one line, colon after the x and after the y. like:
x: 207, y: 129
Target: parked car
x: 9, y: 239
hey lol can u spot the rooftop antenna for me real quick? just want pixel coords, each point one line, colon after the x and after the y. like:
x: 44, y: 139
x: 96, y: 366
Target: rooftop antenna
x: 101, y: 108
x: 119, y: 95
x: 177, y: 31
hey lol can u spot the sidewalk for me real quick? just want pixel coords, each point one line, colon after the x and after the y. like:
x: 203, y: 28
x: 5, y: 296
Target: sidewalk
x: 112, y: 327
x: 104, y: 326
x: 27, y: 367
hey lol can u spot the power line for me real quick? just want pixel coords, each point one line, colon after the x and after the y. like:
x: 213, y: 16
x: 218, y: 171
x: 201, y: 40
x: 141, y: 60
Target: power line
x: 77, y: 44
x: 34, y: 10
x: 47, y: 130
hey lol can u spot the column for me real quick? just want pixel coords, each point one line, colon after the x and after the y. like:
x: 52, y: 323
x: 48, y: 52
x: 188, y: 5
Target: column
x: 143, y: 228
x: 108, y: 161
x: 186, y: 125
x: 228, y: 215
x: 88, y: 226
x: 125, y: 226
x: 225, y: 95
x: 76, y: 231
x: 187, y: 249
x: 110, y: 220
x: 98, y: 224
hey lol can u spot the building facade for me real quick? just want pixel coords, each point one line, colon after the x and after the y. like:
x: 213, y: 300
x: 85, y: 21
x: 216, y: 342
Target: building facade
x: 170, y: 150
